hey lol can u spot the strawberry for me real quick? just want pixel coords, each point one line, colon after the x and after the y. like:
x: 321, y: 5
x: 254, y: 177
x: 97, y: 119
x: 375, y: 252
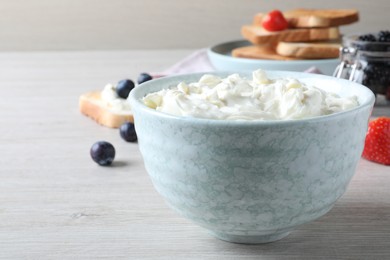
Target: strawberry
x: 377, y: 145
x: 274, y: 21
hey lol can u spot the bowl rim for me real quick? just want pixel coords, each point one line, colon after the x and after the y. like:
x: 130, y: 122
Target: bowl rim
x: 137, y: 103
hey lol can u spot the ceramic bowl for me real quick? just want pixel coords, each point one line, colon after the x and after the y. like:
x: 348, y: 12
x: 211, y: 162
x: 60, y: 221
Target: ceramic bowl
x: 252, y: 181
x: 220, y: 57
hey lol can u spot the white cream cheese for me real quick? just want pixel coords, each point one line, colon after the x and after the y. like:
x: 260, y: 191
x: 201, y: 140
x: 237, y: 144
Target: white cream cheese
x: 237, y: 98
x: 113, y: 101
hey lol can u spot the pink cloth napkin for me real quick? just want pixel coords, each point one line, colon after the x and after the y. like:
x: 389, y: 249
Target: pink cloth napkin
x: 198, y: 61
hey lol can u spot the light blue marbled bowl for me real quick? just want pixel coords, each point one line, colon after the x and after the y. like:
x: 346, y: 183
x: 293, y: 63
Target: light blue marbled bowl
x: 252, y: 181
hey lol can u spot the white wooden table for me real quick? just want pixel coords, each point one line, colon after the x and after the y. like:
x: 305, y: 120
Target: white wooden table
x: 56, y: 203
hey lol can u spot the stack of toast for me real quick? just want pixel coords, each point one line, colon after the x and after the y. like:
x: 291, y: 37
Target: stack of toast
x: 311, y: 34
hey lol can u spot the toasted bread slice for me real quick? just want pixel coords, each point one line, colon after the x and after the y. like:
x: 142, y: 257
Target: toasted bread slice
x: 309, y: 50
x: 265, y: 52
x: 92, y: 105
x: 258, y: 35
x: 309, y: 18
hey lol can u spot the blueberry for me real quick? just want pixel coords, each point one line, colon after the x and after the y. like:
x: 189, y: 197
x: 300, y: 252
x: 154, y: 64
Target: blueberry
x: 377, y: 77
x: 127, y: 132
x: 124, y: 87
x: 103, y: 153
x: 384, y: 36
x: 143, y: 77
x: 367, y: 38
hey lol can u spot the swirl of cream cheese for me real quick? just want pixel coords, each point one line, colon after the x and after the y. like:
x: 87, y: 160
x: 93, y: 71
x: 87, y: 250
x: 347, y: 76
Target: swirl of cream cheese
x: 237, y: 98
x: 113, y: 101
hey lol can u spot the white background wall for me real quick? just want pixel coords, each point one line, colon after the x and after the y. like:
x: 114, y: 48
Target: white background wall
x: 151, y: 24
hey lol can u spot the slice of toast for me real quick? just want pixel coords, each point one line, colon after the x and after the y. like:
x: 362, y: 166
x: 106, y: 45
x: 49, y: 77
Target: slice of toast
x: 265, y: 52
x: 309, y: 50
x: 309, y: 18
x: 258, y: 35
x: 92, y: 105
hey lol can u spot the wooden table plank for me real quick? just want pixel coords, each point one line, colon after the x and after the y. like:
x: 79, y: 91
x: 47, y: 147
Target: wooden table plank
x: 55, y: 203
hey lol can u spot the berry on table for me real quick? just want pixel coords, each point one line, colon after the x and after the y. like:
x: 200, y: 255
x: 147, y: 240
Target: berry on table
x: 377, y: 144
x: 103, y: 153
x: 127, y: 132
x: 124, y: 87
x: 143, y: 77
